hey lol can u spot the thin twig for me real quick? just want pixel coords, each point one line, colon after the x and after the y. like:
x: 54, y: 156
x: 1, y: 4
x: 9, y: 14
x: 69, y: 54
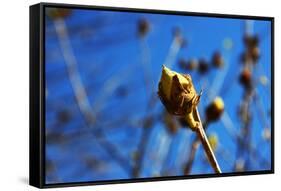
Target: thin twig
x: 80, y: 92
x: 206, y: 145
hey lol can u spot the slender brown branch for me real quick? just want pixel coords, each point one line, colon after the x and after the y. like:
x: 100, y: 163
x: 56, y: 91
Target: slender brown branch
x: 206, y: 145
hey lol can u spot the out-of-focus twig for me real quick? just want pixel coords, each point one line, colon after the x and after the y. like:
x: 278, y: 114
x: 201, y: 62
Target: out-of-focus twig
x: 80, y: 92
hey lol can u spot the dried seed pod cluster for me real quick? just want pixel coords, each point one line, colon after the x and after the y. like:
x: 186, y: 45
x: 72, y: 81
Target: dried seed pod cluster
x: 203, y: 66
x: 188, y: 65
x: 252, y: 51
x: 249, y: 58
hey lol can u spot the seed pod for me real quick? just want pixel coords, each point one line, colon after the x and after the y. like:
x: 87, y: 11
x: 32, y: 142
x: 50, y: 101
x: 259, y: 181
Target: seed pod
x: 217, y: 60
x: 203, y: 66
x: 245, y: 78
x: 143, y: 27
x: 215, y: 110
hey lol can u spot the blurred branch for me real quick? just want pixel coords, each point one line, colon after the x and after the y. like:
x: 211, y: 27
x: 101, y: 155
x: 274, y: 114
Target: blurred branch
x: 73, y: 73
x: 206, y: 145
x: 194, y: 146
x: 79, y: 91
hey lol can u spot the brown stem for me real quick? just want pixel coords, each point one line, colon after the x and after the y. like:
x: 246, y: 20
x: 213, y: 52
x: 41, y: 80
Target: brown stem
x: 206, y: 145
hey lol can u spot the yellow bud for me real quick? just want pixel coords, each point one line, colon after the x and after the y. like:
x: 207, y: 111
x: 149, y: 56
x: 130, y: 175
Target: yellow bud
x: 178, y: 95
x: 167, y: 80
x: 215, y: 109
x: 219, y: 104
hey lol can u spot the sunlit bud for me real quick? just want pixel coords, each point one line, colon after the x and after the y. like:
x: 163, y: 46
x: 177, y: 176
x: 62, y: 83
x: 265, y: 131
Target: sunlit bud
x: 215, y: 109
x: 176, y: 91
x: 178, y: 94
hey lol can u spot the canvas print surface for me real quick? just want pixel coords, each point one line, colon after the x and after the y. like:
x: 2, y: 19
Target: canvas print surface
x: 140, y: 95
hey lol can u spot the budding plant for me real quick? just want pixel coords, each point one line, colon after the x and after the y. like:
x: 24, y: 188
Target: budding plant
x: 177, y: 93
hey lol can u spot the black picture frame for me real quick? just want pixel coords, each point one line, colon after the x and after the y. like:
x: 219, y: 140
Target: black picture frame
x: 37, y: 94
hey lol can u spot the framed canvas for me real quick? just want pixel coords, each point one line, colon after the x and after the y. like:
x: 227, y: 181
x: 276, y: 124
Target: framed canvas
x: 127, y: 95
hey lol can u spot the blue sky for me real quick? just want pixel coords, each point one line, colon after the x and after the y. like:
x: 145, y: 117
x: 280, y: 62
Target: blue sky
x: 110, y: 61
